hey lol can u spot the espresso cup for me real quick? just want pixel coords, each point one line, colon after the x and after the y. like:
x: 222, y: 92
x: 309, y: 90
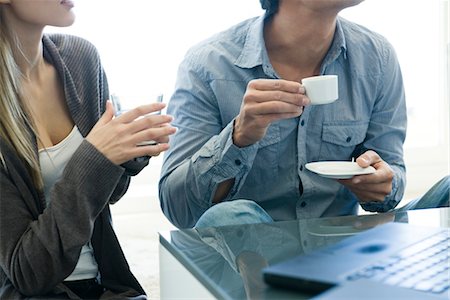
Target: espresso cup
x: 321, y: 89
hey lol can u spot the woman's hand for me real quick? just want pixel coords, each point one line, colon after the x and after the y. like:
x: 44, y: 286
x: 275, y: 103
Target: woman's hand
x: 117, y: 138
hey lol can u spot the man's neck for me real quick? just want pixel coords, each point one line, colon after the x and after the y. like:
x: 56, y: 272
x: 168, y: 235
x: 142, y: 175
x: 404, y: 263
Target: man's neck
x: 297, y: 41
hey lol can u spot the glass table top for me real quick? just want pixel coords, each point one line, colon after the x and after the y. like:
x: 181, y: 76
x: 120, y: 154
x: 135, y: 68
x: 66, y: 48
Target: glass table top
x: 228, y: 260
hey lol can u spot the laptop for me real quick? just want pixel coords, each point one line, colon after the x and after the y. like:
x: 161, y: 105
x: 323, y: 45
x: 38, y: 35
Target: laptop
x: 391, y: 261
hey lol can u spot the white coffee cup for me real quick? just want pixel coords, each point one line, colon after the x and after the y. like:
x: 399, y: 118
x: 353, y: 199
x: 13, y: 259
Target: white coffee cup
x: 321, y: 89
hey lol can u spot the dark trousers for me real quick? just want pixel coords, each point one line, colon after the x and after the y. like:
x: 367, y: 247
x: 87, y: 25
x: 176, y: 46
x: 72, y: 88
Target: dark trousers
x: 86, y: 288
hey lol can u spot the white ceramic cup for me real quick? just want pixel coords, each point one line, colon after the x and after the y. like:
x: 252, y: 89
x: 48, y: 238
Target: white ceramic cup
x: 321, y: 89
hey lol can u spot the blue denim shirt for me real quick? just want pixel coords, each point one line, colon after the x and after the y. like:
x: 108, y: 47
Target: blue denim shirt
x: 212, y: 79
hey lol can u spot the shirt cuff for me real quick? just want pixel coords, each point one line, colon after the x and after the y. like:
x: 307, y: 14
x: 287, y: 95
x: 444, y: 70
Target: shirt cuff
x: 389, y: 203
x: 234, y: 162
x: 222, y: 160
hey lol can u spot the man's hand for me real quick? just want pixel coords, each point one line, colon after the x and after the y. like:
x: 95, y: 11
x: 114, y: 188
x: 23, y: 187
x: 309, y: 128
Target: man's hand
x: 372, y: 187
x: 266, y: 101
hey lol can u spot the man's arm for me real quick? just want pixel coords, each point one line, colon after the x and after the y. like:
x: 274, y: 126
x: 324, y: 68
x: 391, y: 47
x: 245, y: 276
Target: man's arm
x: 386, y: 134
x: 202, y: 154
x: 208, y: 163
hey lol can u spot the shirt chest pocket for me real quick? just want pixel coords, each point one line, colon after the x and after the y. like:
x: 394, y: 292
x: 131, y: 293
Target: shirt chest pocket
x: 340, y: 140
x: 265, y: 165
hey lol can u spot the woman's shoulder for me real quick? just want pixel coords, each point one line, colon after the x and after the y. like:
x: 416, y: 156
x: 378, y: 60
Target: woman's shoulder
x: 70, y: 46
x: 63, y: 41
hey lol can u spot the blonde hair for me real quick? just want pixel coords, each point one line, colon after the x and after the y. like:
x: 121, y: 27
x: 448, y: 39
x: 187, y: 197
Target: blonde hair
x: 15, y: 121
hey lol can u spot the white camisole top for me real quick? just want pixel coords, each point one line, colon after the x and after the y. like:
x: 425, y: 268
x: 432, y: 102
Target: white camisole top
x: 53, y: 160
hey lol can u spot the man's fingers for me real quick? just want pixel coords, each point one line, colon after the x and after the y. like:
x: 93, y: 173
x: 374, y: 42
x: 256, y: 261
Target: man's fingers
x: 377, y: 189
x: 276, y: 85
x: 368, y: 158
x: 370, y: 197
x: 273, y: 107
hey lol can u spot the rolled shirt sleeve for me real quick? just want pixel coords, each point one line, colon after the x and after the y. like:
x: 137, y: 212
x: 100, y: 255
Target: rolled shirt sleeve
x: 212, y: 79
x: 202, y: 152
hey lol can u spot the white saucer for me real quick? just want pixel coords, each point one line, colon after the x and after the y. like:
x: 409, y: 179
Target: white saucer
x: 325, y: 230
x: 338, y: 169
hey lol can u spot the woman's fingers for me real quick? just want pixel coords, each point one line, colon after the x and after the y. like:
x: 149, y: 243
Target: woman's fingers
x: 126, y: 137
x: 149, y: 121
x: 138, y: 112
x: 158, y: 134
x: 149, y: 150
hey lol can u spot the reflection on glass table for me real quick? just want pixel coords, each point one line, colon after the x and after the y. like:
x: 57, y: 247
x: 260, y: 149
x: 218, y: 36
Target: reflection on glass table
x: 227, y: 261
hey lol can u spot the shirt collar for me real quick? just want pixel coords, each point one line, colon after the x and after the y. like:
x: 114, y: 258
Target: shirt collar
x: 254, y: 52
x: 338, y: 46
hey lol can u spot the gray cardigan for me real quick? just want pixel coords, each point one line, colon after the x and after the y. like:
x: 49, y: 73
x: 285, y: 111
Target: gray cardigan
x: 39, y: 245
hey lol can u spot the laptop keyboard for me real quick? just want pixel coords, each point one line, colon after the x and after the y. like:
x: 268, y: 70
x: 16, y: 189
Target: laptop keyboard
x: 424, y: 266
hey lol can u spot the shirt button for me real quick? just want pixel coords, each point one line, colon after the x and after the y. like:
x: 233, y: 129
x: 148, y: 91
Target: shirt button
x: 301, y: 168
x: 238, y: 162
x: 302, y: 122
x: 349, y: 138
x: 303, y: 204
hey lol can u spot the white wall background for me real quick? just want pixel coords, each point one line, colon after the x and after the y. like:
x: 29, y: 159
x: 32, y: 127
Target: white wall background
x: 142, y: 42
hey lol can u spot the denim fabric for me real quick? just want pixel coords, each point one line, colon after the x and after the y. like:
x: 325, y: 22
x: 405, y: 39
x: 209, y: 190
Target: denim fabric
x: 369, y: 114
x: 437, y: 196
x: 233, y: 213
x: 248, y: 212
